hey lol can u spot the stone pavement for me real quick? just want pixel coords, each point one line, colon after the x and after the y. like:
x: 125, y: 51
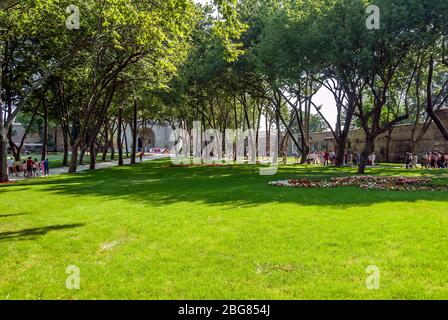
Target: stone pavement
x: 100, y: 165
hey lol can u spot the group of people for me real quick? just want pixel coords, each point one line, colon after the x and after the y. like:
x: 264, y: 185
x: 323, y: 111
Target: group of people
x: 29, y: 168
x: 329, y: 158
x: 434, y: 160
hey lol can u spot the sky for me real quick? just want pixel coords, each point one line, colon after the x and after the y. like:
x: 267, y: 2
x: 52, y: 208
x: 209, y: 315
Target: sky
x: 323, y: 98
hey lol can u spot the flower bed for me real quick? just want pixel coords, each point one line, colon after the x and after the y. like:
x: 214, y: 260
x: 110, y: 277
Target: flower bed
x: 365, y: 182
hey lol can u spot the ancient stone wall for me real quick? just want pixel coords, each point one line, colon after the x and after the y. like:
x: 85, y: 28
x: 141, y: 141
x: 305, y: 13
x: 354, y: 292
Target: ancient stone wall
x: 400, y: 141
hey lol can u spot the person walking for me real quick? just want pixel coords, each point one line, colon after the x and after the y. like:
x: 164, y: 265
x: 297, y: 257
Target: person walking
x: 47, y: 167
x: 332, y: 158
x: 425, y: 161
x: 326, y: 157
x: 35, y: 172
x: 10, y: 167
x: 17, y: 167
x: 42, y: 166
x: 39, y: 168
x: 29, y: 167
x: 414, y: 161
x: 408, y: 160
x: 296, y: 157
x: 357, y: 158
x: 373, y: 158
x: 434, y: 160
x: 442, y: 162
x: 24, y: 168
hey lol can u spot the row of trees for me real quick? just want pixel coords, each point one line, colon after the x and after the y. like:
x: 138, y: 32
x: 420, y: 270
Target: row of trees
x: 292, y: 49
x: 93, y: 81
x: 234, y: 64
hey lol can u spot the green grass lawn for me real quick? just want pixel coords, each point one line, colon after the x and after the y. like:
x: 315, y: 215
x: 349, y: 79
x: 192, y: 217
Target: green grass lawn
x: 156, y: 232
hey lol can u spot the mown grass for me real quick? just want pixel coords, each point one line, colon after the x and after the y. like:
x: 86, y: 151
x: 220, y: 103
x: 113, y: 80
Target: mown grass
x: 156, y: 232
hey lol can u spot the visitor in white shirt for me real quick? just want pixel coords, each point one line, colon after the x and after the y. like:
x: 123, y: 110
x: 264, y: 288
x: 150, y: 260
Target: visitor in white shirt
x: 11, y: 166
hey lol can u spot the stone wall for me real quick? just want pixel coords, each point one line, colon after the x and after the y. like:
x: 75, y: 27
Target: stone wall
x: 17, y: 133
x: 400, y: 141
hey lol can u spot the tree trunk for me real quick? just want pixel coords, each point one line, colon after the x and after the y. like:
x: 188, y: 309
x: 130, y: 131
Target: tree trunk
x: 341, y: 147
x: 111, y: 142
x: 134, y: 134
x: 92, y: 154
x: 106, y: 141
x: 112, y: 148
x: 15, y: 150
x: 3, y: 137
x: 306, y: 149
x: 82, y: 155
x: 3, y: 157
x: 45, y: 141
x: 126, y: 141
x: 430, y: 103
x: 279, y: 141
x: 368, y: 149
x: 268, y: 134
x: 74, y: 159
x: 119, y: 136
x: 65, y: 157
x: 415, y: 145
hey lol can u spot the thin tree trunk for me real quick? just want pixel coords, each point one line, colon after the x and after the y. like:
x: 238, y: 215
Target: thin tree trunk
x: 3, y: 157
x: 82, y: 155
x: 65, y: 157
x: 3, y: 131
x: 92, y: 153
x: 119, y: 136
x: 268, y: 134
x: 106, y: 141
x: 112, y: 148
x: 126, y: 141
x: 45, y: 142
x: 134, y: 134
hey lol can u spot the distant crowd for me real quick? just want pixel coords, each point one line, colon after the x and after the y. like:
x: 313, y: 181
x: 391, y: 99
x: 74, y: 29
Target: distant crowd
x: 329, y: 158
x: 28, y: 168
x: 429, y: 160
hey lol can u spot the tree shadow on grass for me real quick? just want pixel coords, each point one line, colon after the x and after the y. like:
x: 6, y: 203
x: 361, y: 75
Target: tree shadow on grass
x: 31, y: 234
x: 13, y: 215
x: 158, y: 184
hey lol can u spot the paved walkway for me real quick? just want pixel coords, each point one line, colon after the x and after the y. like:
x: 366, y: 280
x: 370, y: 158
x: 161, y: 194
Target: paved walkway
x: 99, y: 165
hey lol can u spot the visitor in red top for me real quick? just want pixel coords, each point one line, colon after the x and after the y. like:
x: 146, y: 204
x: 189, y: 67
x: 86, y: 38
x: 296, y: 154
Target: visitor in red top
x: 29, y: 167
